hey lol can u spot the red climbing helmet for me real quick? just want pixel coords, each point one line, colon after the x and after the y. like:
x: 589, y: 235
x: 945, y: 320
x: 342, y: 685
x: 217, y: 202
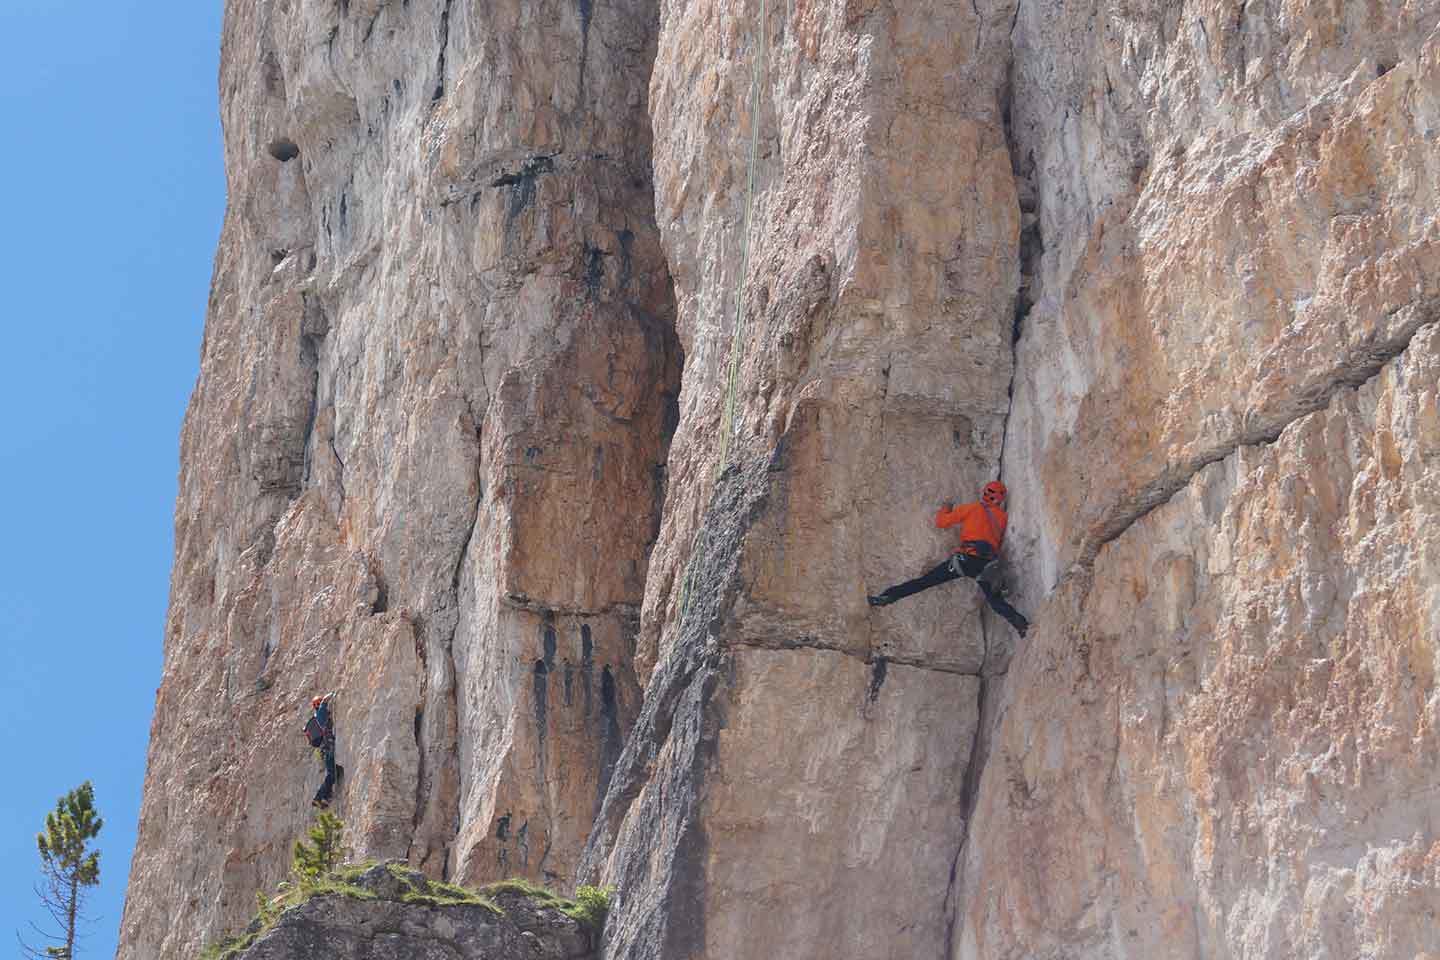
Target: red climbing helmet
x: 994, y: 493
x: 315, y: 703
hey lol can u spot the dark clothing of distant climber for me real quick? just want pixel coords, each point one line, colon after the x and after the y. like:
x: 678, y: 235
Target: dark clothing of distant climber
x: 321, y: 732
x: 982, y: 530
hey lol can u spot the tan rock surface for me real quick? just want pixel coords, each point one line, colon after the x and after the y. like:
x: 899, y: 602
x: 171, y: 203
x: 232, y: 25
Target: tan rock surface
x: 1236, y: 227
x: 1221, y: 745
x: 429, y: 463
x: 422, y: 464
x: 1236, y: 212
x: 794, y: 785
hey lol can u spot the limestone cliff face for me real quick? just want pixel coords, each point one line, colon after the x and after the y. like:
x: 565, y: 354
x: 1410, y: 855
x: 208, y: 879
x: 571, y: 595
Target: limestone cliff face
x: 847, y: 365
x: 1172, y: 271
x: 424, y: 460
x: 1219, y: 740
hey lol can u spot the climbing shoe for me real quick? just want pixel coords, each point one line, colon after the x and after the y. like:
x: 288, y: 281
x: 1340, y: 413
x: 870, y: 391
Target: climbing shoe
x: 879, y: 600
x: 319, y: 804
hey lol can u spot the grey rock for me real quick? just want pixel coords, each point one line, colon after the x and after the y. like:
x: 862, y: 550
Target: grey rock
x: 387, y: 928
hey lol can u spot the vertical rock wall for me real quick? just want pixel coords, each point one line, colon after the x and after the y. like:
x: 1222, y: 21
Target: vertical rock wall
x: 1168, y: 268
x: 1217, y: 742
x: 423, y: 461
x: 834, y: 191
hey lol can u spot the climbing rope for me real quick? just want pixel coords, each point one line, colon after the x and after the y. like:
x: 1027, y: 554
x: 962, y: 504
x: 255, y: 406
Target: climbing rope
x: 758, y: 75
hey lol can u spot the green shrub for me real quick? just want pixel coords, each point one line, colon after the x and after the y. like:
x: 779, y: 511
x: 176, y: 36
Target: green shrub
x: 315, y: 869
x: 590, y: 907
x: 350, y: 872
x: 227, y: 947
x: 313, y: 861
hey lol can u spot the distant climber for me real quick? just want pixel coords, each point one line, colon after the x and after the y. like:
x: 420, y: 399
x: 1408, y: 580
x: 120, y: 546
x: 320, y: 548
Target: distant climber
x: 320, y: 731
x: 982, y: 530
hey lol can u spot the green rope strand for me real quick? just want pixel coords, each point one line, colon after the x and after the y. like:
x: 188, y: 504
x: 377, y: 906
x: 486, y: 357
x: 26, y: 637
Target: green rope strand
x: 758, y: 76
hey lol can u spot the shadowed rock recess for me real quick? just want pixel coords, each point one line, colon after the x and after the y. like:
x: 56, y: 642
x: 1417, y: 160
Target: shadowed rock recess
x: 1171, y: 271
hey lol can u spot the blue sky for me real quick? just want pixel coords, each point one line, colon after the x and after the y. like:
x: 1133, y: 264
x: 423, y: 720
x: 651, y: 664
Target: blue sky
x: 112, y: 192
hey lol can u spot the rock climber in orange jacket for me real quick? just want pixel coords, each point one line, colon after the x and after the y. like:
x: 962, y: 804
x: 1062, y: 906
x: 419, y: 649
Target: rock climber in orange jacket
x: 982, y: 530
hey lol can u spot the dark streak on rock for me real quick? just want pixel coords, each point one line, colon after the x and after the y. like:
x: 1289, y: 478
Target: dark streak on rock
x: 540, y: 687
x: 611, y: 735
x: 586, y: 10
x: 627, y: 260
x: 587, y: 666
x: 549, y: 644
x: 314, y: 328
x: 444, y: 42
x: 878, y: 669
x: 523, y: 183
x: 594, y: 270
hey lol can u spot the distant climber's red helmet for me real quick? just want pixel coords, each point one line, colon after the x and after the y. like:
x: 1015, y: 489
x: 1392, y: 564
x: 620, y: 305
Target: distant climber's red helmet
x: 315, y: 703
x: 994, y: 493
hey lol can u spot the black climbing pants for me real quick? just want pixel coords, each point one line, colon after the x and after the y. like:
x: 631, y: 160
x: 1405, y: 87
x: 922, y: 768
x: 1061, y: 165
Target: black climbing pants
x: 327, y: 755
x: 968, y: 566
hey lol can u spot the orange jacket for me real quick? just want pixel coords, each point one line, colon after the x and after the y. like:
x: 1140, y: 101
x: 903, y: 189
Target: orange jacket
x: 978, y: 524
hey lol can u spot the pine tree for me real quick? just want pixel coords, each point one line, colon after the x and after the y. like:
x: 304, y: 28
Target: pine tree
x: 67, y: 867
x: 313, y: 861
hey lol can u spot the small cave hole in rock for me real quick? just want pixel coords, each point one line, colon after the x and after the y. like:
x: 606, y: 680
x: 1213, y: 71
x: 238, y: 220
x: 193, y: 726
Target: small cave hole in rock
x: 283, y: 150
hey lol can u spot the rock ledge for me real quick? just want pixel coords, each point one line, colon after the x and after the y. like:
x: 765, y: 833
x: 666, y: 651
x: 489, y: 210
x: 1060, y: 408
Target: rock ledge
x: 508, y: 925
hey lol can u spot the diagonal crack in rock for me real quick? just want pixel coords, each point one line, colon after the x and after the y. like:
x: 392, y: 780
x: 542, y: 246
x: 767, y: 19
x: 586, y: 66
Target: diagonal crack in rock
x: 1360, y: 365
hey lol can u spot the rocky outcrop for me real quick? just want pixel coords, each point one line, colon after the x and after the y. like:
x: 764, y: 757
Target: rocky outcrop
x: 385, y: 919
x: 1170, y: 270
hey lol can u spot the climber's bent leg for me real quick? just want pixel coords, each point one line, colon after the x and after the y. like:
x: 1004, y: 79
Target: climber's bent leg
x: 999, y: 604
x: 900, y: 591
x: 322, y: 796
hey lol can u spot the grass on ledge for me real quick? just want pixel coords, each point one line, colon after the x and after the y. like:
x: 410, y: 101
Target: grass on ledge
x: 434, y: 893
x: 589, y: 908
